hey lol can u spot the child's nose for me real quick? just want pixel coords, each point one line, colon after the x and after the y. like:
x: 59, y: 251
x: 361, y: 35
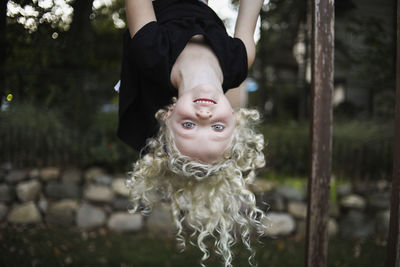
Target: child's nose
x: 203, y: 114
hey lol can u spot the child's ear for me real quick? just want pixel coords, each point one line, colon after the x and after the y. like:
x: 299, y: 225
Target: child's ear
x: 169, y: 112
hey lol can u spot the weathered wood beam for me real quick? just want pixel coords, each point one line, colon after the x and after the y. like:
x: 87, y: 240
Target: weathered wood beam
x: 322, y: 50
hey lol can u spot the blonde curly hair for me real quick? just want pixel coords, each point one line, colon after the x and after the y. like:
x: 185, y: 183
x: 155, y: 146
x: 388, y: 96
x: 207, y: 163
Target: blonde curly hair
x: 210, y: 200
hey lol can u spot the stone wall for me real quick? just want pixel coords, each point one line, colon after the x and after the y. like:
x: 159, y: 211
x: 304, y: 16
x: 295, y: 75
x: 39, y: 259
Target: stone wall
x: 93, y: 198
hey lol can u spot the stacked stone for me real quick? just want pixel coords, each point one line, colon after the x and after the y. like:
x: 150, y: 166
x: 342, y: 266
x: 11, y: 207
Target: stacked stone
x: 361, y: 210
x: 88, y: 200
x: 93, y: 198
x: 365, y: 209
x: 287, y: 209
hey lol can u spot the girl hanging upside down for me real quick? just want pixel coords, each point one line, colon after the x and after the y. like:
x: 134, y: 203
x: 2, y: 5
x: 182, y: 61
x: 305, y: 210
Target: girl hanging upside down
x: 196, y: 151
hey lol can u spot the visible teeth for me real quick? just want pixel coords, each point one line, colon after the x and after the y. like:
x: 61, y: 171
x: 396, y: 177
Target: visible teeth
x: 204, y: 102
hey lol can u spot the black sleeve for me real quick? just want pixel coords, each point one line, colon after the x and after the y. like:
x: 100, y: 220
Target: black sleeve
x: 144, y: 84
x: 236, y: 63
x: 149, y: 47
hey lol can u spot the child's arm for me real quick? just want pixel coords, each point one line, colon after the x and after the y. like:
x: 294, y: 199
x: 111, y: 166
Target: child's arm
x: 138, y: 13
x: 237, y: 97
x: 246, y: 24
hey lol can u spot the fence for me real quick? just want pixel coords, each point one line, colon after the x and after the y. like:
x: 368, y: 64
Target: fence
x: 322, y: 28
x: 360, y: 151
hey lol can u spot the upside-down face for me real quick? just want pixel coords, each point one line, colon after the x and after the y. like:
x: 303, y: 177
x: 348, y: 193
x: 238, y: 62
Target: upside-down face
x: 202, y: 123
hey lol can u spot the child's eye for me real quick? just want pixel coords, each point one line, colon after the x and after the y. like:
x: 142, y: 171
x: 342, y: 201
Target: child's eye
x: 218, y: 127
x: 188, y: 125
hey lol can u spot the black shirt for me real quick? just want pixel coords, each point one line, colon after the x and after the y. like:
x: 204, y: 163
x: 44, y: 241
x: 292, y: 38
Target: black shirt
x: 149, y: 56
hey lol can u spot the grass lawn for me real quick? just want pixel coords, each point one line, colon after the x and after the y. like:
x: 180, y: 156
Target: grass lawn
x: 43, y: 246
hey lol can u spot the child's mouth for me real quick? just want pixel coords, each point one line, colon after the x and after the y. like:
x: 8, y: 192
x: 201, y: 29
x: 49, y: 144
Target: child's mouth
x: 204, y: 101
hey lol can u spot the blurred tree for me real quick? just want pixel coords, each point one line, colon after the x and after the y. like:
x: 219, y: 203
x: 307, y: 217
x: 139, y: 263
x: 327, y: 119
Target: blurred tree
x: 283, y: 55
x: 3, y: 47
x: 365, y: 47
x: 276, y: 67
x: 79, y: 47
x: 374, y: 60
x: 65, y: 55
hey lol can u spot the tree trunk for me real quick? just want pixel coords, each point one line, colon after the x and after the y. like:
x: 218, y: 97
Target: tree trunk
x: 79, y: 48
x: 3, y: 48
x: 80, y: 33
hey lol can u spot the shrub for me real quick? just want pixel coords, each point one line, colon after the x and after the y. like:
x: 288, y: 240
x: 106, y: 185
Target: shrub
x: 105, y: 147
x: 31, y: 136
x: 359, y: 149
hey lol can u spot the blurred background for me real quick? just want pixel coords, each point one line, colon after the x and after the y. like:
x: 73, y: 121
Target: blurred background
x: 60, y: 158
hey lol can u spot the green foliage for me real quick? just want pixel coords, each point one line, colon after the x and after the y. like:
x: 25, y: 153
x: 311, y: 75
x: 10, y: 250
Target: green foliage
x: 71, y: 68
x: 275, y: 66
x: 287, y: 147
x: 300, y: 182
x: 365, y: 58
x: 373, y: 51
x: 32, y: 137
x: 106, y: 148
x: 360, y: 149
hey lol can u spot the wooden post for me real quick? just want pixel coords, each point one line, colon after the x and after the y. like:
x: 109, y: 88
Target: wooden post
x: 393, y: 259
x: 322, y: 49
